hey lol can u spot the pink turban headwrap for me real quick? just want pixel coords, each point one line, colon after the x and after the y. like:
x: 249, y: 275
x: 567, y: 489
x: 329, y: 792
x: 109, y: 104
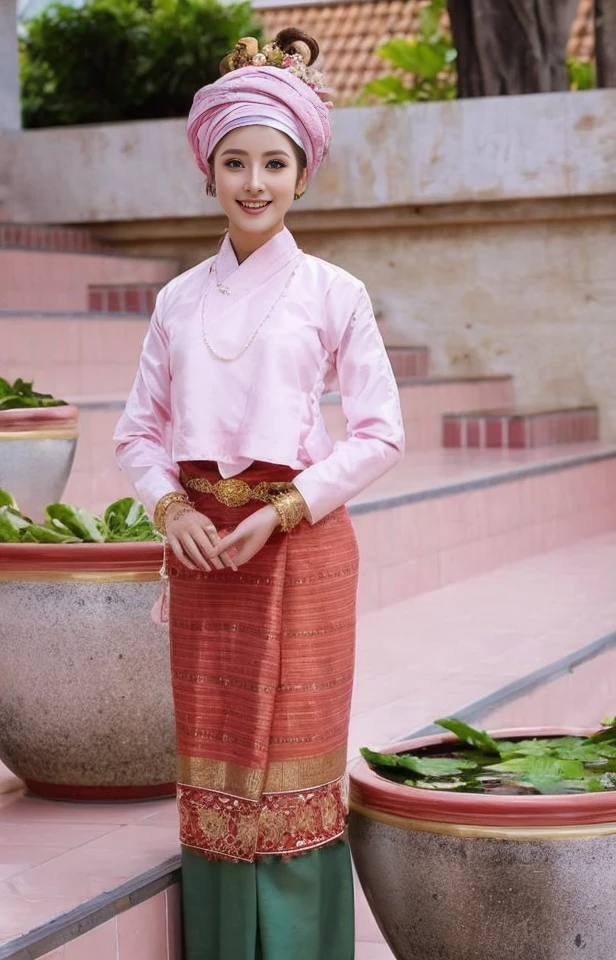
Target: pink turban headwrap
x: 259, y: 95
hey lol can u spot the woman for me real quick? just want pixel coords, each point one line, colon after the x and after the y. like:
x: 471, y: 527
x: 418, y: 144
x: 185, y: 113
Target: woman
x: 223, y: 439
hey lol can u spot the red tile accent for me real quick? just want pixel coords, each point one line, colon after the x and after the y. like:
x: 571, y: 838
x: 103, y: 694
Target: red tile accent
x: 114, y: 300
x: 452, y: 433
x: 517, y: 434
x: 494, y: 433
x: 132, y: 301
x: 410, y: 361
x: 516, y: 431
x: 35, y: 237
x: 95, y: 300
x: 123, y: 298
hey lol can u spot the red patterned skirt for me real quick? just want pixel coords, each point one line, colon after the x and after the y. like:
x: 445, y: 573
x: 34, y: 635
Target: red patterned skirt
x: 262, y: 667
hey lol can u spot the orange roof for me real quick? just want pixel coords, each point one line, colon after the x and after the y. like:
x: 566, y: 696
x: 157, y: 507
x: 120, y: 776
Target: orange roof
x: 349, y: 33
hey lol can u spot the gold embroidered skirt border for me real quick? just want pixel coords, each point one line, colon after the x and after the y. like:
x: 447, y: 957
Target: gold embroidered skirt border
x: 223, y: 827
x: 282, y: 776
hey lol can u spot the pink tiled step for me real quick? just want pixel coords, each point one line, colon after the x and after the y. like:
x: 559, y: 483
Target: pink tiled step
x: 440, y: 517
x: 425, y: 401
x: 39, y: 280
x: 442, y: 651
x: 33, y: 236
x: 97, y: 352
x: 520, y: 428
x: 446, y: 516
x: 123, y: 298
x: 72, y: 353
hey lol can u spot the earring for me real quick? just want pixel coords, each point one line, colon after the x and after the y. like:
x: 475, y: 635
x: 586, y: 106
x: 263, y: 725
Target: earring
x: 210, y: 188
x: 298, y: 196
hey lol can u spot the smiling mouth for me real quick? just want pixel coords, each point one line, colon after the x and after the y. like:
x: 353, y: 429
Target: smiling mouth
x: 254, y: 204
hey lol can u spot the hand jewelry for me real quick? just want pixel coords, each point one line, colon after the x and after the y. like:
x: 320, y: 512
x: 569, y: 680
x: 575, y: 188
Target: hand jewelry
x: 161, y: 508
x: 291, y: 509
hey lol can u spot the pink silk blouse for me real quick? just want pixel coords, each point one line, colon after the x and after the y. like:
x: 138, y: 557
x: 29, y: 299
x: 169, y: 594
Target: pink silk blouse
x: 233, y: 368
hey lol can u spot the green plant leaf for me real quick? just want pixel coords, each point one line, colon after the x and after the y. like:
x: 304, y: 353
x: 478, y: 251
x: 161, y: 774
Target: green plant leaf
x: 605, y: 736
x: 390, y: 89
x: 42, y: 533
x: 541, y: 768
x: 476, y: 738
x: 414, y: 56
x: 423, y: 767
x: 80, y: 522
x: 6, y: 500
x: 12, y: 524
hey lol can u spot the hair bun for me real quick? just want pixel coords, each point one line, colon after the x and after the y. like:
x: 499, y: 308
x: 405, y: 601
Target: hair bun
x: 296, y: 41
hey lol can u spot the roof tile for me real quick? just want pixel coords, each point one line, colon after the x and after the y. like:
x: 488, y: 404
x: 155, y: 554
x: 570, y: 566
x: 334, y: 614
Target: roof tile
x: 350, y: 32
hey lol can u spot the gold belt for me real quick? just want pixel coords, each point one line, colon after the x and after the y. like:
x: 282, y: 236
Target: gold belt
x: 237, y: 493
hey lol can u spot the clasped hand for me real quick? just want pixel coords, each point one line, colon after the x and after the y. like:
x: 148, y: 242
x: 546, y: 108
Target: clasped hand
x: 197, y: 544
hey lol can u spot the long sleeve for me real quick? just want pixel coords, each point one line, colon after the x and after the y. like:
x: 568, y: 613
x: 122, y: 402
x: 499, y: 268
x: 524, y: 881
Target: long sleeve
x: 142, y: 450
x: 371, y: 405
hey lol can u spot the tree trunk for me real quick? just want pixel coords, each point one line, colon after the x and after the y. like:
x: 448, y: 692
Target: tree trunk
x: 605, y: 29
x: 511, y: 46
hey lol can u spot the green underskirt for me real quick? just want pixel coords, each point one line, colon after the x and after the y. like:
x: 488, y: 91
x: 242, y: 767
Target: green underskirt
x: 274, y: 909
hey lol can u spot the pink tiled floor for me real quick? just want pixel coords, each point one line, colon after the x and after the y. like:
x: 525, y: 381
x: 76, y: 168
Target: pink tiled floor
x: 434, y: 654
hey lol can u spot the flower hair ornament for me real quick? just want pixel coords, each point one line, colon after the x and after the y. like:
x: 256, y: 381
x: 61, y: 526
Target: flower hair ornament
x: 291, y: 50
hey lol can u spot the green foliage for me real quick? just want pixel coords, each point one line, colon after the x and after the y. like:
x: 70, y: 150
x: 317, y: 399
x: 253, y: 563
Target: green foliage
x: 424, y: 63
x: 581, y: 74
x: 18, y: 395
x: 124, y: 521
x: 478, y: 764
x: 112, y: 60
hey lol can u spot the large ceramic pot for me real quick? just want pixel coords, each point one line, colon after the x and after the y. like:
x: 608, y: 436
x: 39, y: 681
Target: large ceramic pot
x: 85, y: 697
x: 37, y: 447
x: 455, y: 876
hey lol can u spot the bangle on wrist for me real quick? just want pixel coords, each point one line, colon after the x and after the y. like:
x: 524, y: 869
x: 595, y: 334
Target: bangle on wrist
x: 161, y: 507
x: 291, y: 509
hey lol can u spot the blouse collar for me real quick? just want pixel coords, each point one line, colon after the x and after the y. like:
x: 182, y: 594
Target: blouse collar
x: 281, y: 247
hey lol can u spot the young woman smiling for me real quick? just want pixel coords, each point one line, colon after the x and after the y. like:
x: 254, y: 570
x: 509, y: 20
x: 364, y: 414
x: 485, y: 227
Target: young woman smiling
x: 224, y: 441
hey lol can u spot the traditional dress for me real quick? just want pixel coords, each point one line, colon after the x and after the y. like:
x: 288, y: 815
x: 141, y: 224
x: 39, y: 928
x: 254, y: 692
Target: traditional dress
x: 226, y: 406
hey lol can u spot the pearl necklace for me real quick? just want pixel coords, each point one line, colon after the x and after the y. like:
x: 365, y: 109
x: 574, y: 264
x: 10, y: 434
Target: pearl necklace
x: 225, y: 290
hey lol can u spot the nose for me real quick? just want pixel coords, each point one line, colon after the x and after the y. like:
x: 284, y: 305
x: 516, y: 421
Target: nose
x: 254, y: 183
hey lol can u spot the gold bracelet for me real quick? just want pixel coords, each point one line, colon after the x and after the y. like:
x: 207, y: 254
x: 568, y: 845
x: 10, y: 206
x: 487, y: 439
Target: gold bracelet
x: 291, y: 509
x: 161, y: 508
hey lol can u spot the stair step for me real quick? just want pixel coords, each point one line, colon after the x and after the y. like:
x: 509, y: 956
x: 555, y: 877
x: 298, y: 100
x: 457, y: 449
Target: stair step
x: 44, y: 280
x: 474, y: 649
x: 34, y: 236
x: 425, y: 400
x: 73, y: 353
x: 520, y: 428
x: 410, y: 361
x: 134, y: 298
x: 439, y: 517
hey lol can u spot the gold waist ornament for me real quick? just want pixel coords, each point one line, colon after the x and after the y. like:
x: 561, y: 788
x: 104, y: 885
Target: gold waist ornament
x: 237, y: 493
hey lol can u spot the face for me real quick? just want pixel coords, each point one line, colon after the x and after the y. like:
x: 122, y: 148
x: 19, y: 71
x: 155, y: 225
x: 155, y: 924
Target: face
x: 257, y: 175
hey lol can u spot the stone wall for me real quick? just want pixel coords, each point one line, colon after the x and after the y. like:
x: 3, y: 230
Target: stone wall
x: 485, y: 229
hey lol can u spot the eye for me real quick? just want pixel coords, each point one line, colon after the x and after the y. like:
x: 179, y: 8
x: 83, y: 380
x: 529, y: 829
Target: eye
x: 233, y: 164
x: 276, y: 165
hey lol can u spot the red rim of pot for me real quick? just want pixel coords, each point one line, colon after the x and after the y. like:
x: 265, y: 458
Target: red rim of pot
x: 374, y: 792
x: 39, y: 418
x: 80, y: 557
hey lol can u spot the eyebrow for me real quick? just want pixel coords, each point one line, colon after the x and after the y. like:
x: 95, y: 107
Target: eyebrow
x: 244, y: 153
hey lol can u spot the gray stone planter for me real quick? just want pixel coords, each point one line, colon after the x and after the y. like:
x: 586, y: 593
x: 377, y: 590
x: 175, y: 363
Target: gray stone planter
x: 470, y: 877
x: 37, y: 448
x: 85, y: 692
